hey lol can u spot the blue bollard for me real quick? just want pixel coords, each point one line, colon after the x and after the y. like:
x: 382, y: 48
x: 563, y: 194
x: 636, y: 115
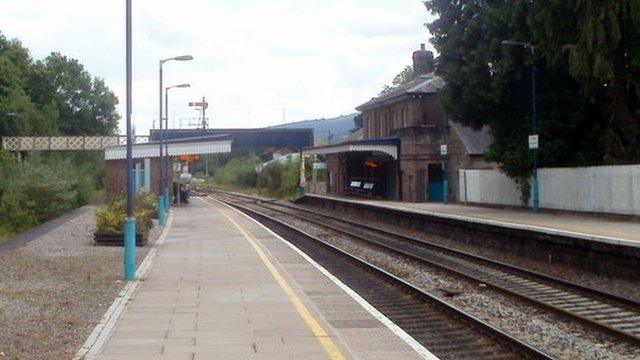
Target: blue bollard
x: 167, y: 200
x: 536, y: 196
x: 161, y: 212
x: 445, y: 192
x: 130, y: 249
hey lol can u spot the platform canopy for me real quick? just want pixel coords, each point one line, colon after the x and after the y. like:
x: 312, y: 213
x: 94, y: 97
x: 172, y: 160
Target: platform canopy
x: 205, y: 145
x: 387, y: 146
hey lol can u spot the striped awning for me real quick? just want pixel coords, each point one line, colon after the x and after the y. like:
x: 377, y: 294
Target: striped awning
x: 389, y: 149
x: 175, y: 149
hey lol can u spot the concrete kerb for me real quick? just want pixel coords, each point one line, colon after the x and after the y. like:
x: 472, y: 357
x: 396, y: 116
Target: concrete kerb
x: 511, y: 225
x: 388, y: 323
x: 101, y: 333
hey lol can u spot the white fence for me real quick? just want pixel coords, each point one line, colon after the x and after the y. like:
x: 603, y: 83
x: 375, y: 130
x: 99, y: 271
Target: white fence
x: 603, y: 189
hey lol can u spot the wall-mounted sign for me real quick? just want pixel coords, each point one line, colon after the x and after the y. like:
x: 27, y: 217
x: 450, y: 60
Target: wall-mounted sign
x: 177, y: 166
x: 444, y: 150
x: 319, y: 166
x: 533, y: 142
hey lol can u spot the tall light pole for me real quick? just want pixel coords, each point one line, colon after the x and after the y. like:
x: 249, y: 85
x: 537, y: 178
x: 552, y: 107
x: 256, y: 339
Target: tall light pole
x: 533, y: 138
x: 163, y: 173
x: 166, y: 143
x: 130, y: 222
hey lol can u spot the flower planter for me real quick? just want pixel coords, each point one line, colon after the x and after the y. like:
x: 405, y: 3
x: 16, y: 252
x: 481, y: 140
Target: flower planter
x: 118, y: 239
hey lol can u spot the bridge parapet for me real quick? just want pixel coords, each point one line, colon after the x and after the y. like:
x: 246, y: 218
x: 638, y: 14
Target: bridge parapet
x: 66, y: 143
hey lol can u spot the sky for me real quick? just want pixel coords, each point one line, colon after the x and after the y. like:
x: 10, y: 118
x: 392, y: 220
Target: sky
x: 257, y: 62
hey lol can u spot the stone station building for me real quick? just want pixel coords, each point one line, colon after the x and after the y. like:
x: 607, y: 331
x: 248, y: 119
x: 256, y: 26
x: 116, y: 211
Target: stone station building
x: 399, y: 153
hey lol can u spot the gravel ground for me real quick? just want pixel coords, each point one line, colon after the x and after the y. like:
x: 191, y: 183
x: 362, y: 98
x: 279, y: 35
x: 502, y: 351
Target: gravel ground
x: 554, y: 334
x: 623, y: 287
x: 55, y: 289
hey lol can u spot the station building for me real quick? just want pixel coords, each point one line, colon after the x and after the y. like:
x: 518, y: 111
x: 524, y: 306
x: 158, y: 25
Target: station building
x: 190, y: 143
x: 147, y: 163
x: 398, y: 154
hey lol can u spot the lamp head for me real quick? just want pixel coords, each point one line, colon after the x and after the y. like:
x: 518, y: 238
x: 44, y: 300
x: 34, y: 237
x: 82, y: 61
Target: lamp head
x: 183, y: 58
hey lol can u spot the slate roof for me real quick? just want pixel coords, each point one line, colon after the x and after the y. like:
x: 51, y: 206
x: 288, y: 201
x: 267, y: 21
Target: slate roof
x: 476, y: 142
x: 422, y: 85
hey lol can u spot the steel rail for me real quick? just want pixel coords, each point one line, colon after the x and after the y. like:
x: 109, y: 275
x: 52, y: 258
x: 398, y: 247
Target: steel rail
x: 484, y: 333
x: 620, y: 319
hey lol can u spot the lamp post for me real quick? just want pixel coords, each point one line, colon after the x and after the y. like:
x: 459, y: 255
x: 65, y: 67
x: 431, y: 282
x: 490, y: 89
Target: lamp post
x: 163, y: 173
x: 130, y: 222
x: 533, y: 138
x: 166, y: 143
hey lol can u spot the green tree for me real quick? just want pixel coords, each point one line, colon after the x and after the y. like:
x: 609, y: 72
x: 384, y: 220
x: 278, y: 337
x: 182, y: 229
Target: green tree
x: 406, y: 75
x: 599, y: 41
x: 488, y: 84
x: 85, y: 105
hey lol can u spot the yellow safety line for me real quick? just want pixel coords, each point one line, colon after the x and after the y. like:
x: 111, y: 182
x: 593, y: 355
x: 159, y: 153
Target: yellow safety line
x: 321, y: 335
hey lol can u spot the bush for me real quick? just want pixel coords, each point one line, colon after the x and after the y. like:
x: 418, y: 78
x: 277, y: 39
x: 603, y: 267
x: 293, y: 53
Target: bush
x: 280, y: 179
x: 110, y: 218
x: 238, y: 172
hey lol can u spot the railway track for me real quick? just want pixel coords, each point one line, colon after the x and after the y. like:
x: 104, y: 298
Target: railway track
x: 615, y: 315
x: 446, y: 330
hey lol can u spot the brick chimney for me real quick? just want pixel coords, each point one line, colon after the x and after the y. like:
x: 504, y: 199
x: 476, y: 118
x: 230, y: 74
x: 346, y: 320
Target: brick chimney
x: 423, y: 61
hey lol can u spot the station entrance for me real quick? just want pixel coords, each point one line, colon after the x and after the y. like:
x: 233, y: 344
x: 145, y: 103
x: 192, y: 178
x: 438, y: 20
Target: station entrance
x: 371, y: 174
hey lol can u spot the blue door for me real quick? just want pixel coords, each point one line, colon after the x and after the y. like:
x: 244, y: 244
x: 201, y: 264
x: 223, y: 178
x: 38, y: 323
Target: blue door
x: 436, y: 193
x: 436, y: 188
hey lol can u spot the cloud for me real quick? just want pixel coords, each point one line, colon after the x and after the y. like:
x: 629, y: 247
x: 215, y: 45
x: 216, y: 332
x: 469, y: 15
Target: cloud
x: 314, y: 59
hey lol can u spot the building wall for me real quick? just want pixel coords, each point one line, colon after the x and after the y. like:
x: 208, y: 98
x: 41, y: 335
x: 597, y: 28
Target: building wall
x: 382, y: 121
x: 420, y: 124
x: 336, y: 167
x: 115, y: 181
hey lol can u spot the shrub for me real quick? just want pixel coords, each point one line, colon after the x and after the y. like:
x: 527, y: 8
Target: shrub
x: 238, y: 172
x: 110, y: 218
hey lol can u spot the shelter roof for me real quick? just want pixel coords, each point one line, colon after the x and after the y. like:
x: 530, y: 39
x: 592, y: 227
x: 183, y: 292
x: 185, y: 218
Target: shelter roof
x: 422, y: 85
x: 476, y: 142
x: 201, y: 145
x: 388, y: 146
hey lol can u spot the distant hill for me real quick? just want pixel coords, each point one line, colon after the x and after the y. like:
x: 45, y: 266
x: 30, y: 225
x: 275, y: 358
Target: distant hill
x: 332, y: 130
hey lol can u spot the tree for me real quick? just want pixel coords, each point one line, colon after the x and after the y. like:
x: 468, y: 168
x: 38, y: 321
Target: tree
x: 17, y: 114
x: 405, y: 76
x: 599, y: 41
x: 488, y: 84
x: 86, y: 106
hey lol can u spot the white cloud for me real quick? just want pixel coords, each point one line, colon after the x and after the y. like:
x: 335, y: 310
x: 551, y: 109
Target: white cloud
x: 314, y: 59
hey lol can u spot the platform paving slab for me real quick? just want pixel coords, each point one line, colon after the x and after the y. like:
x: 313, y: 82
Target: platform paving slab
x: 208, y: 295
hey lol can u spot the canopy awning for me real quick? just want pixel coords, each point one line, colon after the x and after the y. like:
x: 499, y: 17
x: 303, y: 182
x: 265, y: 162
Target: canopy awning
x: 194, y: 146
x: 387, y: 146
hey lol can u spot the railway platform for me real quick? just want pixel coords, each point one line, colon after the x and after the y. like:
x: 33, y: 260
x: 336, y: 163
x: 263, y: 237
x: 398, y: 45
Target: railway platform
x: 222, y: 286
x: 591, y: 228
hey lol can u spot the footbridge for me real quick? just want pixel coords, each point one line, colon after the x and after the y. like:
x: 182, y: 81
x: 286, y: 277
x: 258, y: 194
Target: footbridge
x: 66, y: 143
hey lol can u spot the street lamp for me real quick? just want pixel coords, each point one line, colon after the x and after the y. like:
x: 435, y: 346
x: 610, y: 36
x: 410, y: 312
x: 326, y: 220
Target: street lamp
x: 166, y: 143
x: 533, y: 138
x: 130, y: 222
x: 163, y: 175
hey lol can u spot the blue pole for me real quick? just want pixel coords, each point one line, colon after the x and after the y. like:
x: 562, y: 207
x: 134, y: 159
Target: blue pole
x: 445, y: 190
x: 130, y: 222
x: 536, y: 192
x: 130, y: 249
x: 161, y: 212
